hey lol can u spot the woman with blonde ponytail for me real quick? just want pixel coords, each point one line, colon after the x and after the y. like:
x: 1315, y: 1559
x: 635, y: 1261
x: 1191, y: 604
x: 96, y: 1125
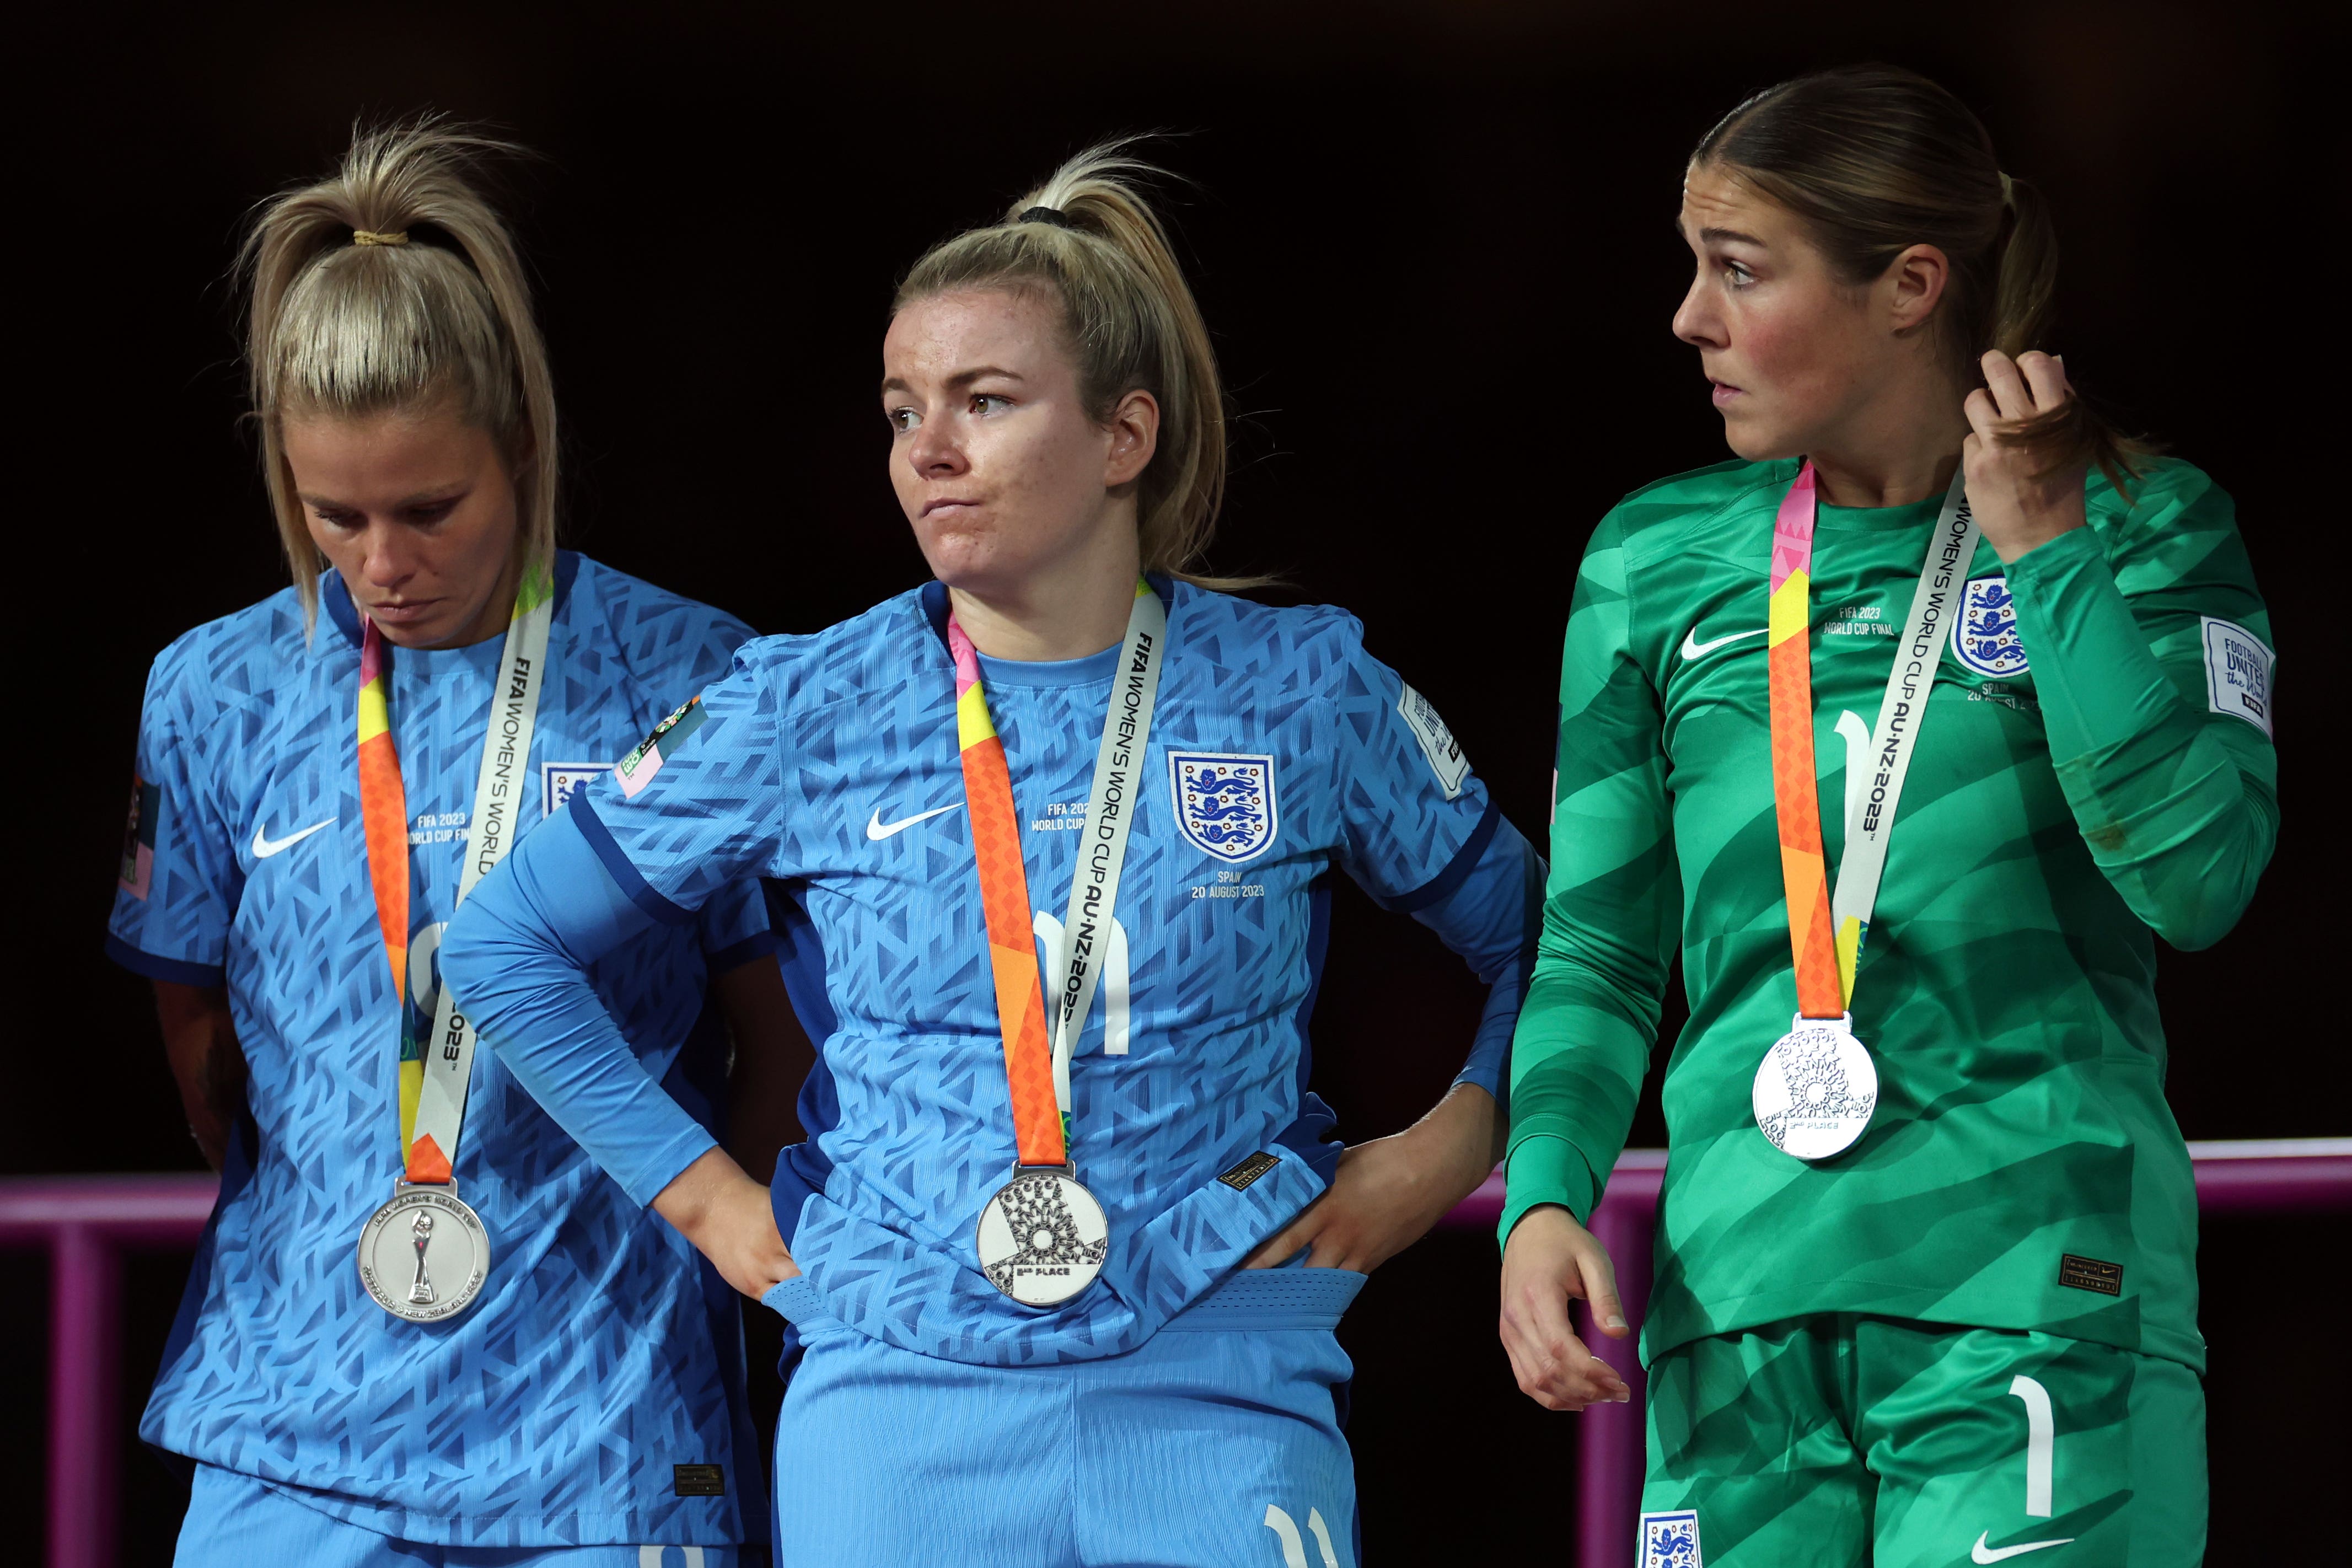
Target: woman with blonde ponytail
x: 1064, y: 1255
x: 1926, y: 1288
x: 422, y: 1326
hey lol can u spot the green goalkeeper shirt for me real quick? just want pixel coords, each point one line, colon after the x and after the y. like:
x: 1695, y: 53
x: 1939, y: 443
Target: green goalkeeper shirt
x: 2094, y: 770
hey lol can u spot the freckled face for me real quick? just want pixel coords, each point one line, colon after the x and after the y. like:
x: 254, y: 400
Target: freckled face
x: 1789, y: 347
x: 996, y: 459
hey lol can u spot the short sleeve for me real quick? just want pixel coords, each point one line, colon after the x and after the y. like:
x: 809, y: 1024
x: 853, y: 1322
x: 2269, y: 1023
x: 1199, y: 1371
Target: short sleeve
x: 734, y: 926
x: 177, y: 886
x: 696, y: 808
x: 1415, y: 817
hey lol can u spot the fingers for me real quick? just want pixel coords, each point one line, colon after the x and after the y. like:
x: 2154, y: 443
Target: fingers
x: 1554, y: 1367
x: 2010, y: 393
x: 1284, y: 1243
x: 2045, y: 377
x: 1601, y: 1298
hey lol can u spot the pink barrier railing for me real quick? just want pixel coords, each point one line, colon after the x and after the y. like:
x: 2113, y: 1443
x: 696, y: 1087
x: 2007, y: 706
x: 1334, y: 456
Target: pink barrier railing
x: 87, y: 1223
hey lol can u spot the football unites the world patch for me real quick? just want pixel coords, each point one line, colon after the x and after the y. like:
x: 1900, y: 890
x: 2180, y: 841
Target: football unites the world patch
x: 637, y: 769
x: 1984, y: 637
x: 1225, y: 804
x: 1671, y: 1539
x: 2237, y: 672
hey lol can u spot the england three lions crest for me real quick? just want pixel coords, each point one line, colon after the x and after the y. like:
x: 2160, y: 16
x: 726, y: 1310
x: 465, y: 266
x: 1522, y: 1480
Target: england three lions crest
x: 1225, y: 804
x: 1985, y: 635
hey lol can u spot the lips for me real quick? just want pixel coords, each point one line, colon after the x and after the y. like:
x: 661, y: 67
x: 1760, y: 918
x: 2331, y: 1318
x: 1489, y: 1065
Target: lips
x: 1725, y: 393
x: 405, y: 613
x: 945, y: 502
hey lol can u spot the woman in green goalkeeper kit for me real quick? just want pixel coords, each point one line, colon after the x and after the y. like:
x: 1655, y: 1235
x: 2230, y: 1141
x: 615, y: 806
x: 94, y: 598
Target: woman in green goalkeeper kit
x: 1915, y: 726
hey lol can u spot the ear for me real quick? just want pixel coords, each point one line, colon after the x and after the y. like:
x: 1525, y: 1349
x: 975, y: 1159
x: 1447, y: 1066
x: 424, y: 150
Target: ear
x: 1915, y: 286
x: 1134, y: 428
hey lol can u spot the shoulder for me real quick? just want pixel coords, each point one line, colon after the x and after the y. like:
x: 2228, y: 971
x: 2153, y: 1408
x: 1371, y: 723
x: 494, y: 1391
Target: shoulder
x: 2165, y: 489
x: 655, y: 633
x: 237, y: 660
x: 1221, y: 624
x: 1663, y: 516
x: 853, y: 659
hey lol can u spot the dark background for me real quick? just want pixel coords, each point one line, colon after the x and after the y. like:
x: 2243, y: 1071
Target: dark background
x: 1434, y: 244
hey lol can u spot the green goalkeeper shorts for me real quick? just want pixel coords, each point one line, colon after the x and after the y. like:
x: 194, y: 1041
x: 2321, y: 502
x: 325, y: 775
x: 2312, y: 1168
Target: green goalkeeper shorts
x: 1840, y: 1439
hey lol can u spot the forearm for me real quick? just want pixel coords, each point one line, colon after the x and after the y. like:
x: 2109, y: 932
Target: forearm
x: 1492, y: 919
x: 1577, y: 1064
x: 2179, y: 825
x: 516, y: 958
x: 207, y: 1063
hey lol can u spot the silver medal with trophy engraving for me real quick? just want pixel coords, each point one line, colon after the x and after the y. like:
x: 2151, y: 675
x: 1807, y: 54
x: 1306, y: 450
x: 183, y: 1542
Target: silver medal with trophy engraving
x: 424, y: 1256
x: 1042, y: 1238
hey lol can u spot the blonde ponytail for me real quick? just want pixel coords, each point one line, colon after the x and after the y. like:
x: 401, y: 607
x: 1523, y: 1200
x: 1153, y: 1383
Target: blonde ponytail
x: 1101, y: 253
x: 392, y: 285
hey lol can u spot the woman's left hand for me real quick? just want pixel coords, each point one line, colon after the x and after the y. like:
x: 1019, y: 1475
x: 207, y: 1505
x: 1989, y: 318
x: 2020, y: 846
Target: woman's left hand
x: 1390, y: 1191
x: 2018, y: 507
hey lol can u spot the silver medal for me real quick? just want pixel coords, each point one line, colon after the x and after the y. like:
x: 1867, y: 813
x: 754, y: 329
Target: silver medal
x: 1042, y: 1238
x: 424, y: 1256
x: 1815, y: 1089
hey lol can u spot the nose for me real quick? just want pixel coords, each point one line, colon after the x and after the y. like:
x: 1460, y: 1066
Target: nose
x: 386, y: 560
x: 935, y: 451
x: 1696, y: 320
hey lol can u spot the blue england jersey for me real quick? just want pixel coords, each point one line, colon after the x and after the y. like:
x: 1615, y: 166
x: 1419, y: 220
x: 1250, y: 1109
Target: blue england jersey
x: 602, y: 1354
x: 1280, y: 752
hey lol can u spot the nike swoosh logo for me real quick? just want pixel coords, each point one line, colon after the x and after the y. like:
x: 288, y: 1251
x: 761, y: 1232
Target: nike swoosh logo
x: 1701, y: 650
x: 264, y: 846
x: 1981, y: 1553
x: 878, y: 830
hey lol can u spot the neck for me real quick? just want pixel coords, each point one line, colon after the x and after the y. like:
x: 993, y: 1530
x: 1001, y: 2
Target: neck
x: 1902, y: 446
x: 1067, y: 608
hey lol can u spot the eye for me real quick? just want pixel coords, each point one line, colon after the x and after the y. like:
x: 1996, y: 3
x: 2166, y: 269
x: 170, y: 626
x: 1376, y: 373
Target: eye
x: 1737, y: 276
x: 429, y: 512
x: 336, y: 517
x: 985, y: 402
x: 902, y: 419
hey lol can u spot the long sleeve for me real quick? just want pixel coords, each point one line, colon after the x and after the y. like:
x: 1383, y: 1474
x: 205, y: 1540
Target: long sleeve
x: 1489, y: 918
x: 1610, y: 911
x: 517, y: 955
x: 2151, y: 658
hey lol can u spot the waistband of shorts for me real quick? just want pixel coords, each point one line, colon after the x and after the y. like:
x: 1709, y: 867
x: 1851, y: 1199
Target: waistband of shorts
x: 1271, y: 1299
x: 1245, y: 1299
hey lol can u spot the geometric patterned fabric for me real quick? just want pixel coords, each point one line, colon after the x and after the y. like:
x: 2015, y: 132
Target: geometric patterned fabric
x: 831, y: 762
x: 2109, y: 788
x: 603, y: 1352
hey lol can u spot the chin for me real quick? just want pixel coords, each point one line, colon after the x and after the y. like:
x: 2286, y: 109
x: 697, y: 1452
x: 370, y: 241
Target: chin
x: 1751, y: 440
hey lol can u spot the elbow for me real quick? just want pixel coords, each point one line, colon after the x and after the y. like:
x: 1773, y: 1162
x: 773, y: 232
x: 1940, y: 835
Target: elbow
x: 2195, y: 930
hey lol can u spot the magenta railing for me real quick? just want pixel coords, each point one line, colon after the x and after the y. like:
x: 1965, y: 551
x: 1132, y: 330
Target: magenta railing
x: 87, y: 1223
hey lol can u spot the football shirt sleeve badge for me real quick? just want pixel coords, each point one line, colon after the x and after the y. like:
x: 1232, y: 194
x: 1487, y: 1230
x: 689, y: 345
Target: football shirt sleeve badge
x: 2237, y: 672
x: 637, y: 769
x: 138, y: 873
x: 1437, y: 741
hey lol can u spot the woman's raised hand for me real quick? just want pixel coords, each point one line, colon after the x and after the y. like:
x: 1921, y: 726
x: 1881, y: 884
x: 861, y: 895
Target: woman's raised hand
x: 2019, y: 502
x: 728, y: 1217
x: 1550, y: 1261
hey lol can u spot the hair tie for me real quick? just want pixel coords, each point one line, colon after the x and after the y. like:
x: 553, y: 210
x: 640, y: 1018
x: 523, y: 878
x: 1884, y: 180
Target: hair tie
x: 2008, y: 192
x: 369, y: 237
x: 1054, y: 216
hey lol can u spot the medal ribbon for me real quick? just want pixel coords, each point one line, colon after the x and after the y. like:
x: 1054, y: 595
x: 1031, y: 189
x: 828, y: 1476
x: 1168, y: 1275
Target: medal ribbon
x: 1826, y: 937
x: 432, y: 1102
x: 1037, y: 1066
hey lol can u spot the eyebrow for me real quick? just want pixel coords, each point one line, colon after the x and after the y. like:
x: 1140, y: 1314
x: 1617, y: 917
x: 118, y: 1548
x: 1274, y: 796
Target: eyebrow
x: 457, y: 490
x: 961, y: 378
x: 1717, y: 236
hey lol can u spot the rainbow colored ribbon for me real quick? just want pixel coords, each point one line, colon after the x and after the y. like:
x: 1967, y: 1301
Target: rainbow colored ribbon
x: 1824, y: 983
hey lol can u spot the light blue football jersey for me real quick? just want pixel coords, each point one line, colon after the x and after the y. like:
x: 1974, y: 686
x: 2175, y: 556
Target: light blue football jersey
x: 1280, y: 752
x: 602, y: 1352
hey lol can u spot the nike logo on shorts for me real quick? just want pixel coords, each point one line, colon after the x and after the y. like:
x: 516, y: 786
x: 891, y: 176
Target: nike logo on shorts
x: 878, y: 830
x: 264, y: 846
x: 1981, y: 1553
x: 1692, y: 649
